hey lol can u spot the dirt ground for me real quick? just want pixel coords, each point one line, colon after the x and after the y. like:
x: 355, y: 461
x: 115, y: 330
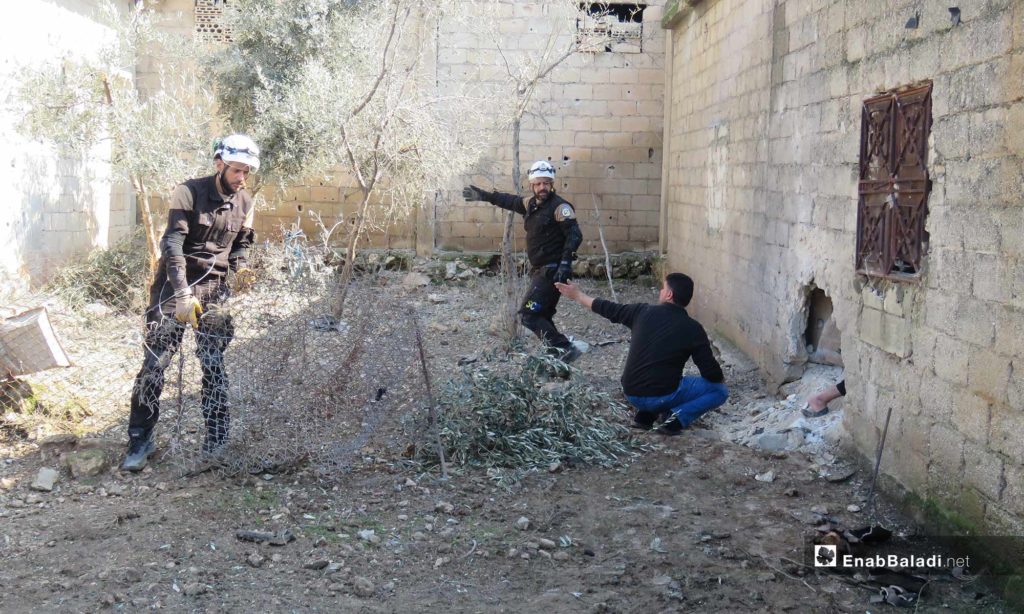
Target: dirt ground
x: 685, y: 527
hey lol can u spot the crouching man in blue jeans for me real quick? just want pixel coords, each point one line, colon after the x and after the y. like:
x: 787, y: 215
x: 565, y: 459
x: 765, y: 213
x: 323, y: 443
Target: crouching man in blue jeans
x: 664, y: 337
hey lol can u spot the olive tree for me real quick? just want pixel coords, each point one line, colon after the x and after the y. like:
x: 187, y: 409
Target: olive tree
x: 160, y: 133
x: 323, y: 84
x: 526, y: 70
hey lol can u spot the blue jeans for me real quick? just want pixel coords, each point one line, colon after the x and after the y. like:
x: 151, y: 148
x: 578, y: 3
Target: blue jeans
x: 694, y: 397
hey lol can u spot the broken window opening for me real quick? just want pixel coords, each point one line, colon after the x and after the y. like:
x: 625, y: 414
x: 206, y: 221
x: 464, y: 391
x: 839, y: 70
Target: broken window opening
x: 611, y: 27
x: 892, y: 203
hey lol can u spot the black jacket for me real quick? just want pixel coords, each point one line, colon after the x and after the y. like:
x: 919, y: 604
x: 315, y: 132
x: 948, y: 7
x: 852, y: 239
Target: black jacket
x: 552, y: 233
x: 664, y: 337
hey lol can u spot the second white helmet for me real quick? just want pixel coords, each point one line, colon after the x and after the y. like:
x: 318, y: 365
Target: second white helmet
x: 541, y: 169
x: 239, y: 148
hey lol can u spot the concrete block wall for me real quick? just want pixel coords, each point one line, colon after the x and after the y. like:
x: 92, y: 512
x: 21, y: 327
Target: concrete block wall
x: 597, y: 118
x: 56, y: 206
x: 761, y: 168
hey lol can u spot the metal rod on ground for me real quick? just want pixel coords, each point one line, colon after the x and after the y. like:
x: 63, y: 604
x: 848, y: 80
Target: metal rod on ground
x: 431, y: 413
x: 604, y: 246
x: 878, y: 463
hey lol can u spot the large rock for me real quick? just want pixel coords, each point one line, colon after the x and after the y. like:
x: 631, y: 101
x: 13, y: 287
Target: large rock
x: 87, y: 463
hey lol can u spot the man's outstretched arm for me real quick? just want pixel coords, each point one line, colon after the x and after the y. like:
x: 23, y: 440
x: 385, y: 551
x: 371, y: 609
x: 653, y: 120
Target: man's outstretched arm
x: 619, y: 314
x: 571, y: 291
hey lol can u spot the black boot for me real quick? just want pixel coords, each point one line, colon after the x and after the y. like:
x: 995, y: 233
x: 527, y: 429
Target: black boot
x: 140, y: 446
x: 644, y: 420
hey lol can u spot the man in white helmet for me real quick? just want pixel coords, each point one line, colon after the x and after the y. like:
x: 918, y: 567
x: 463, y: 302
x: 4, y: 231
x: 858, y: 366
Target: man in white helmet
x: 209, y: 232
x: 552, y: 238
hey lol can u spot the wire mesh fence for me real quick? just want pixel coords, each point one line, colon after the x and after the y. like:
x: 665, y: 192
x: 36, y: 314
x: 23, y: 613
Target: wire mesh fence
x: 267, y: 380
x: 270, y: 379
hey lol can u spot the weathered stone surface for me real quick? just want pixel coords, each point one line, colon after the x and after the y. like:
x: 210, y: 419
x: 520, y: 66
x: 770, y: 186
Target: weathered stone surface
x: 87, y: 463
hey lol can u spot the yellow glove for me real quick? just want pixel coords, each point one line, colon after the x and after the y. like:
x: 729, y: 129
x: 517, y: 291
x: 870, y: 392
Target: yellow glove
x: 187, y: 310
x: 244, y: 279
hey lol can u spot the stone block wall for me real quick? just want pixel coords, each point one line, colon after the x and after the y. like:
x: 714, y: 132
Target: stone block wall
x: 597, y: 118
x: 762, y: 146
x: 55, y: 206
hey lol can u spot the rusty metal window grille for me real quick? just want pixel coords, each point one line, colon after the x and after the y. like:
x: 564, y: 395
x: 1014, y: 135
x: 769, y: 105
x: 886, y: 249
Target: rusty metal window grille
x: 210, y: 26
x: 612, y: 27
x: 893, y: 189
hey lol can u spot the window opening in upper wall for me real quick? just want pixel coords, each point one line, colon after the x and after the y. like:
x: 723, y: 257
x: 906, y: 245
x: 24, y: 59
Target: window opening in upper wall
x: 892, y: 203
x: 209, y: 18
x: 613, y: 27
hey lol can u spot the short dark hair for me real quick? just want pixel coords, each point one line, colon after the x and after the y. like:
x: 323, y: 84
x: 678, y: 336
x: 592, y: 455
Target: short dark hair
x: 681, y: 286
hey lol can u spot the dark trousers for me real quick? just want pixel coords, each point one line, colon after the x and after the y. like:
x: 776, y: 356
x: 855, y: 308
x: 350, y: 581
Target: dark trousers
x: 539, y: 308
x: 163, y: 338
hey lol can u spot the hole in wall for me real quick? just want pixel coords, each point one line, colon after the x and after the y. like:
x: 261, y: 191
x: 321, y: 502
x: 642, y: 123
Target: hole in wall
x: 821, y: 335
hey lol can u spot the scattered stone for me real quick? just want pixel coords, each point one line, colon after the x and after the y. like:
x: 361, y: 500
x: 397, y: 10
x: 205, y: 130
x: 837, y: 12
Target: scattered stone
x: 767, y: 476
x: 773, y: 442
x: 276, y: 538
x: 561, y: 555
x: 334, y: 568
x: 403, y: 517
x: 415, y: 280
x: 45, y: 479
x: 437, y: 299
x: 544, y: 553
x: 409, y: 482
x: 87, y: 463
x: 662, y: 580
x: 7, y: 483
x: 444, y: 507
x: 369, y: 535
x: 820, y: 510
x: 363, y: 587
x: 555, y: 467
x: 255, y: 559
x: 766, y: 576
x: 656, y: 546
x: 316, y: 564
x: 276, y: 558
x: 194, y: 588
x: 531, y: 546
x: 523, y: 523
x: 840, y: 476
x: 33, y: 500
x: 853, y: 507
x: 546, y: 544
x: 791, y: 492
x: 116, y: 489
x: 419, y: 536
x: 444, y: 548
x: 444, y: 560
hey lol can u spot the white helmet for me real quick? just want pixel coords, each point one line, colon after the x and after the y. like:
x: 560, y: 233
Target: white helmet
x: 239, y: 148
x: 541, y: 169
